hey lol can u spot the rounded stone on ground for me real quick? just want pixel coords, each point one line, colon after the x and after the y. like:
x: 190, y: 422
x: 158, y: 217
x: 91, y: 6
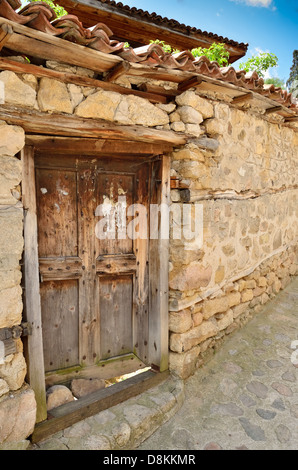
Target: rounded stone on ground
x: 283, y: 433
x: 289, y: 377
x: 258, y: 389
x: 58, y: 395
x: 212, y: 446
x: 82, y: 387
x: 266, y: 414
x: 282, y: 389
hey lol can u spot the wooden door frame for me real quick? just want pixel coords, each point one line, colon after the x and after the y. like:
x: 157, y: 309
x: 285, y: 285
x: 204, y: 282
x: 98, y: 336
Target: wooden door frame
x: 158, y: 252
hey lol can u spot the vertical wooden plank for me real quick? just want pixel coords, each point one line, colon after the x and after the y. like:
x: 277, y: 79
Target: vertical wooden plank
x: 60, y: 319
x: 115, y: 315
x: 56, y: 193
x: 158, y: 269
x: 89, y: 331
x: 141, y: 284
x: 34, y: 346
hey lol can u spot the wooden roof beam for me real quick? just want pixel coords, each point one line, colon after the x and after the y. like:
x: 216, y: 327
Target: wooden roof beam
x: 139, y: 31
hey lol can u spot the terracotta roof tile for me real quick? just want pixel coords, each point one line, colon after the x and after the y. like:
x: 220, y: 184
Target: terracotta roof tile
x: 40, y: 16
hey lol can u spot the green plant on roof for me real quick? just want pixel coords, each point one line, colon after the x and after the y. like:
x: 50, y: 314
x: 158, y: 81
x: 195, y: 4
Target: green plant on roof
x: 60, y: 11
x: 216, y: 53
x: 166, y: 47
x: 260, y: 63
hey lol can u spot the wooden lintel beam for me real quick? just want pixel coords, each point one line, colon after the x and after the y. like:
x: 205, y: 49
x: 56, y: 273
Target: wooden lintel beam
x: 189, y: 83
x: 274, y: 109
x: 35, y: 122
x: 242, y: 98
x: 117, y: 71
x: 70, y: 146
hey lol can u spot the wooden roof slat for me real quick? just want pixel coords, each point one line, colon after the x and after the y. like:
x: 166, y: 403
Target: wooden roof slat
x: 36, y: 44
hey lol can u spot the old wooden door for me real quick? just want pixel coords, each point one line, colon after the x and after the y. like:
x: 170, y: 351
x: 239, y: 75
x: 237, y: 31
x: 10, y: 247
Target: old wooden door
x: 94, y: 291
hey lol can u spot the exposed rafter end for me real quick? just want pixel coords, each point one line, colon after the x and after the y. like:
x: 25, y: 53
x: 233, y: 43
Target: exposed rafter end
x: 189, y: 83
x: 242, y: 98
x: 275, y: 109
x: 117, y: 71
x: 291, y: 119
x: 5, y: 32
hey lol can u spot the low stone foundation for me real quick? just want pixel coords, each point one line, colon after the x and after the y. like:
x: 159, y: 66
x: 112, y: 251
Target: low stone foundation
x: 196, y: 332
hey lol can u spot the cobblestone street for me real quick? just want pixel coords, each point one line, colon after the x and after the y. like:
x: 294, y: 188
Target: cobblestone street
x: 246, y: 397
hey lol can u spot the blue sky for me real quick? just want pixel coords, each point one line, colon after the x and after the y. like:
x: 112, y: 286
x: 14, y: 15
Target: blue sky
x: 267, y: 25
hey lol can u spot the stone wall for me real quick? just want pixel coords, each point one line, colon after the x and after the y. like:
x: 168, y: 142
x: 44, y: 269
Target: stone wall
x: 14, y: 394
x: 244, y: 173
x: 238, y: 165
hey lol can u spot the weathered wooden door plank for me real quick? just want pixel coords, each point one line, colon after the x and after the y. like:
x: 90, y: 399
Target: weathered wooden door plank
x: 32, y: 314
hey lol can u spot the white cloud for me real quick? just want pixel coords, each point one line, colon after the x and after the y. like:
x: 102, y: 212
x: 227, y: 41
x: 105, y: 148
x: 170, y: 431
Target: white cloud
x: 255, y: 3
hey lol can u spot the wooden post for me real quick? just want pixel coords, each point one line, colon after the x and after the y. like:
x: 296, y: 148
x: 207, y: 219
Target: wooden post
x: 34, y: 346
x: 159, y: 265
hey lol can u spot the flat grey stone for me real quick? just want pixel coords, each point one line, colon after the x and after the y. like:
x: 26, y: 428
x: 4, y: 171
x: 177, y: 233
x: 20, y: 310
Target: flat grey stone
x: 227, y: 386
x: 273, y: 364
x: 266, y: 414
x: 289, y: 377
x: 258, y: 389
x: 256, y: 433
x: 207, y: 143
x: 278, y: 404
x: 259, y: 352
x: 247, y: 400
x: 283, y: 433
x: 258, y: 373
x: 232, y: 368
x: 227, y: 409
x: 182, y: 439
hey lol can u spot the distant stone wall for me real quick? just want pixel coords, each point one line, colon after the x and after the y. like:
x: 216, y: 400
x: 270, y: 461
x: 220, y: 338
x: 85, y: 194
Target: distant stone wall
x: 244, y: 173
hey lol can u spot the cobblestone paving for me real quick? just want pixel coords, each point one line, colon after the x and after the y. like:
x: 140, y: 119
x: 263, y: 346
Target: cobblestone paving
x: 246, y: 397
